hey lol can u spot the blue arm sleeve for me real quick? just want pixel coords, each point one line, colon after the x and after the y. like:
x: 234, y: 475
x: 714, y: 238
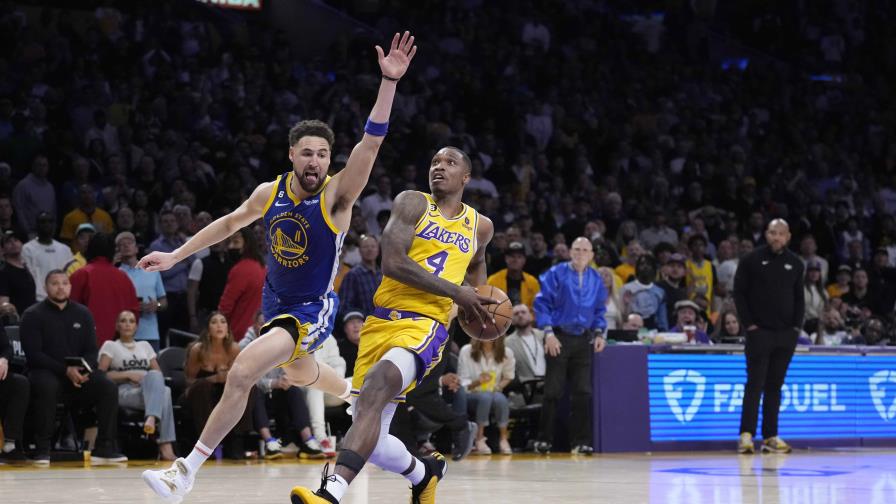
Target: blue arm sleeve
x: 544, y: 300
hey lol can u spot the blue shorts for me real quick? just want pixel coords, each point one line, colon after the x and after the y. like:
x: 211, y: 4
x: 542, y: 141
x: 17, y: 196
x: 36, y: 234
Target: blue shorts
x: 309, y: 324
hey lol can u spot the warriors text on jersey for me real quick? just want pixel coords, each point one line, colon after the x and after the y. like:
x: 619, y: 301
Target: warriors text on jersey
x: 303, y: 246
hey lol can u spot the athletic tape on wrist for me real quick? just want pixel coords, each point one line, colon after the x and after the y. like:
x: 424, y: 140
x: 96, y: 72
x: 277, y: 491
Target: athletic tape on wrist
x: 375, y: 128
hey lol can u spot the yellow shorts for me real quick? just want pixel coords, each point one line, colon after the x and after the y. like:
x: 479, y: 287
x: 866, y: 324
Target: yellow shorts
x: 425, y: 337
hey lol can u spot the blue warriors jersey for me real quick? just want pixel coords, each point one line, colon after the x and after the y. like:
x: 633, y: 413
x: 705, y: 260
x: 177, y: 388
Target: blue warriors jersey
x: 303, y: 249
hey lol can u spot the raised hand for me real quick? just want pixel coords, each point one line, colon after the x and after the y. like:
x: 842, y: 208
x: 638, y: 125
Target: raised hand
x: 157, y: 261
x: 395, y: 64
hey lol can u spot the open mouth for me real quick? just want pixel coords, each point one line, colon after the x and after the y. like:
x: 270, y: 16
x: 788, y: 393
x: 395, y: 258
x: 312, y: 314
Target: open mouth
x: 310, y: 177
x: 438, y: 177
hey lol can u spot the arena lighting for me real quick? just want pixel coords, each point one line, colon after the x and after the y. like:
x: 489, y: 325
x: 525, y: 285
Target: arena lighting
x: 697, y: 398
x: 254, y: 5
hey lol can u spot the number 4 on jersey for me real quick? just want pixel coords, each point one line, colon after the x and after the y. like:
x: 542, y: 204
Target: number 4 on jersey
x: 437, y: 262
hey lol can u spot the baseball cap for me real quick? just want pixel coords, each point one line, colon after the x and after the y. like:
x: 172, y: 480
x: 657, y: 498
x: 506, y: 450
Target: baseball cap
x: 123, y: 235
x: 676, y: 257
x: 687, y: 303
x: 352, y: 315
x: 813, y: 265
x: 10, y: 233
x: 844, y: 268
x: 85, y: 227
x: 515, y: 248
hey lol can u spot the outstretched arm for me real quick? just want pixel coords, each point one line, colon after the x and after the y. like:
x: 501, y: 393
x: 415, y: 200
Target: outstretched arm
x: 223, y: 227
x: 345, y: 187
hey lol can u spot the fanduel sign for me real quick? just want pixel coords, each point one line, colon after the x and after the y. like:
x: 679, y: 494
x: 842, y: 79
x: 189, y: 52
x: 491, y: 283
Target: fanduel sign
x: 698, y: 397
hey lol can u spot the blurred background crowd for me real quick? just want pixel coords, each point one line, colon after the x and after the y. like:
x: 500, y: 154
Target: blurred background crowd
x: 669, y: 134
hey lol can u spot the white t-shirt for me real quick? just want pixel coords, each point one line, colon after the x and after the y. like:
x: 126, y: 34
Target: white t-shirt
x: 41, y: 259
x: 128, y: 356
x: 196, y: 271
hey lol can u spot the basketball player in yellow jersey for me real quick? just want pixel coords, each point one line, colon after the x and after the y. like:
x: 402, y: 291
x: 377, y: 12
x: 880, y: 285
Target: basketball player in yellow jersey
x: 432, y: 244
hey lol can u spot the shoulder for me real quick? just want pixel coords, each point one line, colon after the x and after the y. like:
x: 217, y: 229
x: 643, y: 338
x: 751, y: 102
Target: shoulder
x: 485, y: 229
x: 33, y: 309
x: 79, y: 309
x: 109, y: 346
x: 413, y: 199
x: 465, y: 350
x: 409, y: 206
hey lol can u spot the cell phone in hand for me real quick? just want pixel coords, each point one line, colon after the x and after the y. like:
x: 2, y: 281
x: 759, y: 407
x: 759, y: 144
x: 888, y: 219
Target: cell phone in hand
x: 79, y: 362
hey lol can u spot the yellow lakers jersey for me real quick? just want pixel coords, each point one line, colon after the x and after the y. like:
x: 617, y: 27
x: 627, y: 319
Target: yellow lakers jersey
x: 442, y: 245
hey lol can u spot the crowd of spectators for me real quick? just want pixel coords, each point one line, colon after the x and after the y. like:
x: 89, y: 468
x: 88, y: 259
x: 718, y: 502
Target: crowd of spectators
x: 134, y: 127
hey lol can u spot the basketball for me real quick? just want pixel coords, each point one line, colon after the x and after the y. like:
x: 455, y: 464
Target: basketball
x: 501, y: 312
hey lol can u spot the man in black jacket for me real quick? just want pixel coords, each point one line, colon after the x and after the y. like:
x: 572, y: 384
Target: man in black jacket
x: 426, y: 399
x: 52, y: 330
x: 14, y: 392
x: 768, y: 292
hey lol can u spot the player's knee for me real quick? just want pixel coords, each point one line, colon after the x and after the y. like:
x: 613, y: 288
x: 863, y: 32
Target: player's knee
x: 380, y: 387
x: 241, y: 376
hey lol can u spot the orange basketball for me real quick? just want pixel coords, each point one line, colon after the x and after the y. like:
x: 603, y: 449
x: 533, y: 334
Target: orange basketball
x: 501, y: 312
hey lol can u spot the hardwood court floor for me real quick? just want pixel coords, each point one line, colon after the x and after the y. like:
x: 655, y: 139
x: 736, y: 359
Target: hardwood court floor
x: 805, y: 477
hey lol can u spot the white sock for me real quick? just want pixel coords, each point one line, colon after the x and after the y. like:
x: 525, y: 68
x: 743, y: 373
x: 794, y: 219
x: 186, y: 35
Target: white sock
x: 347, y: 395
x: 419, y: 472
x: 336, y: 485
x: 196, y: 457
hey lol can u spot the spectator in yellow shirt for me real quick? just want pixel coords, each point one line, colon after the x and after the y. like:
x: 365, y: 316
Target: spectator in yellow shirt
x: 86, y: 212
x: 82, y: 237
x: 520, y: 286
x: 841, y: 286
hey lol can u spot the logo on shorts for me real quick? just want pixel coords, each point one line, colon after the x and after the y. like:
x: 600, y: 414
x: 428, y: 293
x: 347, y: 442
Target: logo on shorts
x: 674, y: 383
x: 289, y: 239
x: 394, y: 315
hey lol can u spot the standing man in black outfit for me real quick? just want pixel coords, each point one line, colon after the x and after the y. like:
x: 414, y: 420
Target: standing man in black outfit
x: 14, y: 392
x: 768, y: 292
x: 52, y: 330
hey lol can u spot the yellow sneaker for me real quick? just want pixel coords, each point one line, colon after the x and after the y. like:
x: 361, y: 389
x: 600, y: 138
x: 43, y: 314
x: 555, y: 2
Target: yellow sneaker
x: 425, y: 491
x: 745, y: 445
x: 775, y: 445
x: 303, y: 495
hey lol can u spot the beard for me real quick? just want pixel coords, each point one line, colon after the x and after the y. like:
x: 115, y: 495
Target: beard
x: 55, y: 299
x: 311, y: 187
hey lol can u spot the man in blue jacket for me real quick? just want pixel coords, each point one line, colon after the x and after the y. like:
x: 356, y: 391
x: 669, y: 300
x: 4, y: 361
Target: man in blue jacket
x: 570, y: 309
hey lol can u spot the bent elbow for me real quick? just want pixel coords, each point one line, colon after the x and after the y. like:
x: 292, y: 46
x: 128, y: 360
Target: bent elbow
x: 389, y: 267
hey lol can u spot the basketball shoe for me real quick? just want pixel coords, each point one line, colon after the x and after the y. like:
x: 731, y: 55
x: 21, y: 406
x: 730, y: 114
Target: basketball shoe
x: 425, y: 491
x: 303, y: 495
x: 172, y: 484
x: 745, y: 445
x: 775, y: 445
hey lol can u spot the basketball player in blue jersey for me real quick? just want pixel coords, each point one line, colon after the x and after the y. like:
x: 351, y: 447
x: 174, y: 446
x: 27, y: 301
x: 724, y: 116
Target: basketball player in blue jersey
x: 306, y: 214
x: 432, y: 245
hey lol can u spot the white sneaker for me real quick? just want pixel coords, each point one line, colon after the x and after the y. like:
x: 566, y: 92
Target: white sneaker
x: 172, y: 484
x: 272, y: 449
x: 328, y: 447
x: 482, y: 447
